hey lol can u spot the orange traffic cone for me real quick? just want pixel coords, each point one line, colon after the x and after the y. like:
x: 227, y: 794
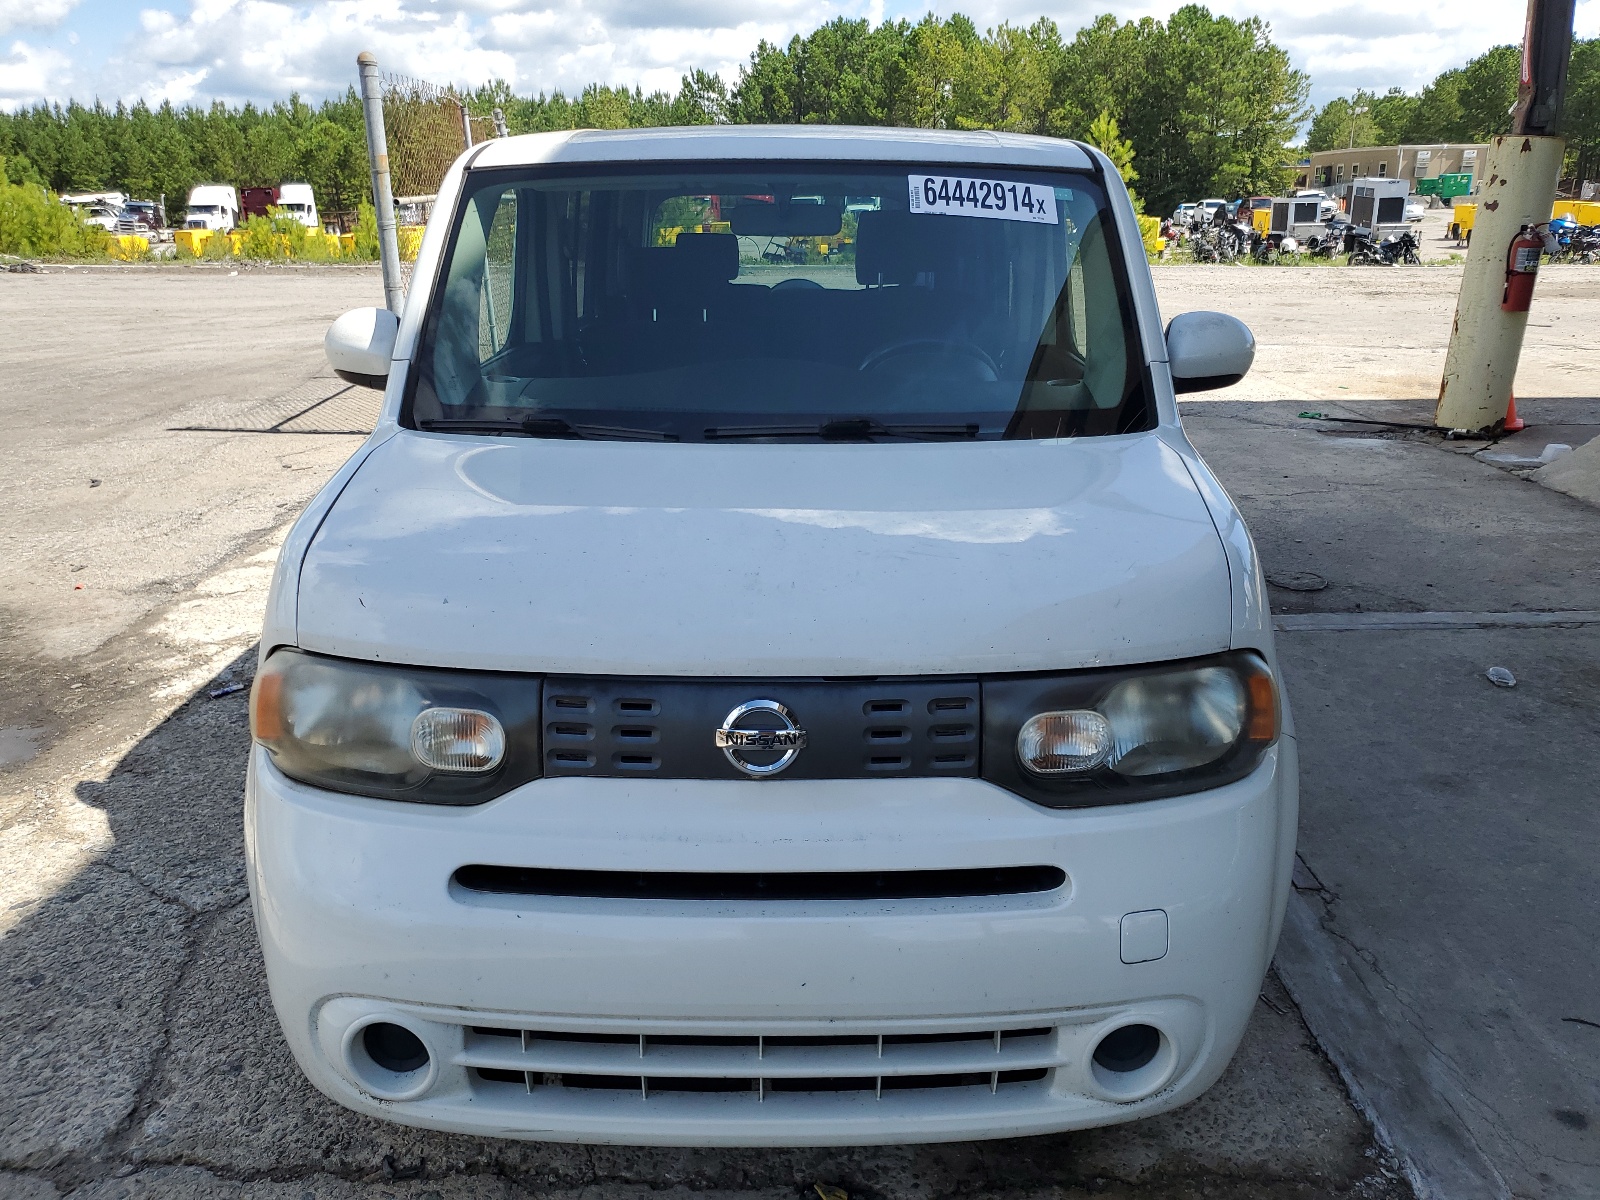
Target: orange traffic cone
x: 1513, y: 423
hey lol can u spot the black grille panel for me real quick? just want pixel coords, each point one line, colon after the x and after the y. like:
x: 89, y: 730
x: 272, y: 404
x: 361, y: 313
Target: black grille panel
x: 761, y: 885
x: 666, y: 728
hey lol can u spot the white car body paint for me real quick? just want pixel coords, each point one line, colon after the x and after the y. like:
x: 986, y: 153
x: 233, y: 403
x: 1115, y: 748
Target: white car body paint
x: 638, y: 559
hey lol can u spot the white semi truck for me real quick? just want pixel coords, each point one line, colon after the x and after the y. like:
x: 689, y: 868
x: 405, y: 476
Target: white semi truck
x: 213, y: 206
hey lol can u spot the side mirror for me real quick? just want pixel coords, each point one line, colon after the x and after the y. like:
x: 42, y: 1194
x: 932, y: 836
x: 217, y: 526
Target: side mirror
x: 360, y: 344
x: 1207, y: 350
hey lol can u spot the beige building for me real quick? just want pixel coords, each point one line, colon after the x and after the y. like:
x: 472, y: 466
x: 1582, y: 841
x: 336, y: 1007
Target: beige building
x: 1335, y: 170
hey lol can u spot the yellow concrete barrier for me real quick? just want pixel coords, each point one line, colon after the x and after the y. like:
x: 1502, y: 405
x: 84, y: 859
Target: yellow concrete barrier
x: 410, y: 242
x: 192, y: 241
x: 128, y: 246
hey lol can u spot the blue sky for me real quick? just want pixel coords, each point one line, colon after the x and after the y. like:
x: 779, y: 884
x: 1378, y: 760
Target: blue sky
x: 235, y: 50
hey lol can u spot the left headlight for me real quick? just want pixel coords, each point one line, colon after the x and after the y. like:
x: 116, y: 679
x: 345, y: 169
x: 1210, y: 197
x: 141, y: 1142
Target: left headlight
x: 1135, y: 733
x: 397, y: 733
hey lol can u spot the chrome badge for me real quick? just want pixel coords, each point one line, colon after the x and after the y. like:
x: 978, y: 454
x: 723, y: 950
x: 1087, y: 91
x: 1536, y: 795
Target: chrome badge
x: 760, y: 738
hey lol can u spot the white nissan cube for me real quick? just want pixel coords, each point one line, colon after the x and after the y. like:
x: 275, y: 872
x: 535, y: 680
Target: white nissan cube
x: 777, y: 674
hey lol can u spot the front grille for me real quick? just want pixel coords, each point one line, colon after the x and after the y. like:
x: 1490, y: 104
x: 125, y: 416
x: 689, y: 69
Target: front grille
x: 754, y: 1067
x: 598, y: 726
x: 761, y: 885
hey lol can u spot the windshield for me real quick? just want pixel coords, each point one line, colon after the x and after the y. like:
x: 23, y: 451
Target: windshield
x: 793, y: 302
x: 205, y: 208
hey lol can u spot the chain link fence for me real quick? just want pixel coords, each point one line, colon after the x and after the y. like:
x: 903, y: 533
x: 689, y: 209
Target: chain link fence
x: 415, y: 130
x: 427, y: 129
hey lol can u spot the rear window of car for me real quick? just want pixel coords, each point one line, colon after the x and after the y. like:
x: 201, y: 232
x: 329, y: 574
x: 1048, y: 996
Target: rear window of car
x: 785, y: 301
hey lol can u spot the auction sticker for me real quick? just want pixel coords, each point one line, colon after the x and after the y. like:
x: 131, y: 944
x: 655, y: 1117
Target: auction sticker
x: 999, y: 199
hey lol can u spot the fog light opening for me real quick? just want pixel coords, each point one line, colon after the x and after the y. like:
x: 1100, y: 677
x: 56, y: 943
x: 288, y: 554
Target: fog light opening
x: 1132, y: 1062
x: 1122, y: 1051
x: 395, y: 1048
x: 388, y: 1060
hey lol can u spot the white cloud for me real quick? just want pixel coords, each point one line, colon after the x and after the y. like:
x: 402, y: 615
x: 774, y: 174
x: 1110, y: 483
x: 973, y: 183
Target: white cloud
x: 237, y: 50
x: 260, y: 50
x: 27, y: 72
x: 36, y: 14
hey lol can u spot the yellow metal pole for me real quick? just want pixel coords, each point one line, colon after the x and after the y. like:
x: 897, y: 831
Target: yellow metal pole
x: 1519, y: 186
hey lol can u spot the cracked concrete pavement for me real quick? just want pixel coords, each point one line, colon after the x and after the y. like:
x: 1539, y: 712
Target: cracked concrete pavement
x: 139, y: 1056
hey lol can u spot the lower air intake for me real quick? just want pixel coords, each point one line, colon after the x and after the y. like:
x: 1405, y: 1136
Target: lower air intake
x: 644, y: 1066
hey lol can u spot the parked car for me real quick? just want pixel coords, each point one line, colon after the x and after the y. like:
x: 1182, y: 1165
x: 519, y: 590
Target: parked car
x: 1184, y: 213
x: 672, y: 730
x: 1328, y: 207
x: 1415, y: 210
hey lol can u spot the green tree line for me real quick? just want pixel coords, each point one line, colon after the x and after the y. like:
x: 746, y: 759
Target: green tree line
x: 1205, y: 104
x: 1196, y: 105
x: 166, y: 151
x: 1467, y: 104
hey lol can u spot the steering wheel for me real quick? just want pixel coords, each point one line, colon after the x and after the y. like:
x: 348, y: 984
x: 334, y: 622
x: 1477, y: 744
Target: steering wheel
x: 987, y: 372
x: 797, y: 283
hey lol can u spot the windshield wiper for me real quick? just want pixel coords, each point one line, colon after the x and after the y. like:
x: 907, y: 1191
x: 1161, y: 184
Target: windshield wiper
x: 846, y: 429
x: 545, y: 427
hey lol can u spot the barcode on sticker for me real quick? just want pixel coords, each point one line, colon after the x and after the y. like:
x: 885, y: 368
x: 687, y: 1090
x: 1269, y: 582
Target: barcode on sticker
x: 1000, y: 199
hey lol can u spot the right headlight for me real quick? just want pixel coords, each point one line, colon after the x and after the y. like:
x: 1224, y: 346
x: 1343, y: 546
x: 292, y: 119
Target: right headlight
x: 398, y: 733
x: 1137, y: 733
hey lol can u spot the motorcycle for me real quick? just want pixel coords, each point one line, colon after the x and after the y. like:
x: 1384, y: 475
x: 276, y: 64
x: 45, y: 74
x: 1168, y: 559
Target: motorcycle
x: 1332, y: 243
x: 1400, y: 248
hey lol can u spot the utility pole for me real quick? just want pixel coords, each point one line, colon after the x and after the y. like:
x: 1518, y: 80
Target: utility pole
x: 1519, y: 187
x: 1356, y: 113
x: 394, y: 288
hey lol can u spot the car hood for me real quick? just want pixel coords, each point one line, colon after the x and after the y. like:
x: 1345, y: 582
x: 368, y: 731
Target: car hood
x: 715, y: 560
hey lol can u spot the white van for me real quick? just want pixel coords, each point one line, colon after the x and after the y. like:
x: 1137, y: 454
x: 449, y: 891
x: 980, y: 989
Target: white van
x: 738, y: 701
x: 213, y: 206
x: 297, y: 200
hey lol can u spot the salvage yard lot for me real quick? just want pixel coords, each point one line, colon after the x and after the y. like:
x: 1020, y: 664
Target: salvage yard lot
x: 165, y: 424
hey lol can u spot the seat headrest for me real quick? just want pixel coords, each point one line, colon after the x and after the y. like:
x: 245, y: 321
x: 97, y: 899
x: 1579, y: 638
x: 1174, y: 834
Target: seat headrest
x: 896, y: 247
x: 706, y: 257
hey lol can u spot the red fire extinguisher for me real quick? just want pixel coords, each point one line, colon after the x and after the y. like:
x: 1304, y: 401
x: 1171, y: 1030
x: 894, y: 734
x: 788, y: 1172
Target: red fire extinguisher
x: 1522, y: 266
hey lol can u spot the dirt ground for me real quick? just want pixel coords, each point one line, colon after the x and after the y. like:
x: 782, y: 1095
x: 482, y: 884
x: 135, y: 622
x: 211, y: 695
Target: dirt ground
x: 138, y: 1054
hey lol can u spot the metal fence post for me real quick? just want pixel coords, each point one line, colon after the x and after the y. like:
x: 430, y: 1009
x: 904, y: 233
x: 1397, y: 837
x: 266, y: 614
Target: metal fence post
x: 394, y: 290
x: 466, y: 124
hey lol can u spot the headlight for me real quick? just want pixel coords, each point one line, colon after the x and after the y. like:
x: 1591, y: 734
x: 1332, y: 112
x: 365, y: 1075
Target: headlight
x: 399, y: 733
x: 1099, y: 737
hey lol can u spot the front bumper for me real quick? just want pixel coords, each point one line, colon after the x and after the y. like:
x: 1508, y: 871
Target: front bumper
x: 1001, y: 1000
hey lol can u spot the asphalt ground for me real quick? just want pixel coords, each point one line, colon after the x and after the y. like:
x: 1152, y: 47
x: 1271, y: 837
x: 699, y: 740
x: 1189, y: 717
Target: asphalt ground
x: 139, y: 1056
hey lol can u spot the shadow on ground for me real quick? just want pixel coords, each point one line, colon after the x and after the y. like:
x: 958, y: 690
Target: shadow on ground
x: 141, y: 1057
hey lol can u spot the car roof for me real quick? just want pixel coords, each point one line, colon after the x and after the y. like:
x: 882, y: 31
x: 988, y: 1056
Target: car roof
x: 800, y: 143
